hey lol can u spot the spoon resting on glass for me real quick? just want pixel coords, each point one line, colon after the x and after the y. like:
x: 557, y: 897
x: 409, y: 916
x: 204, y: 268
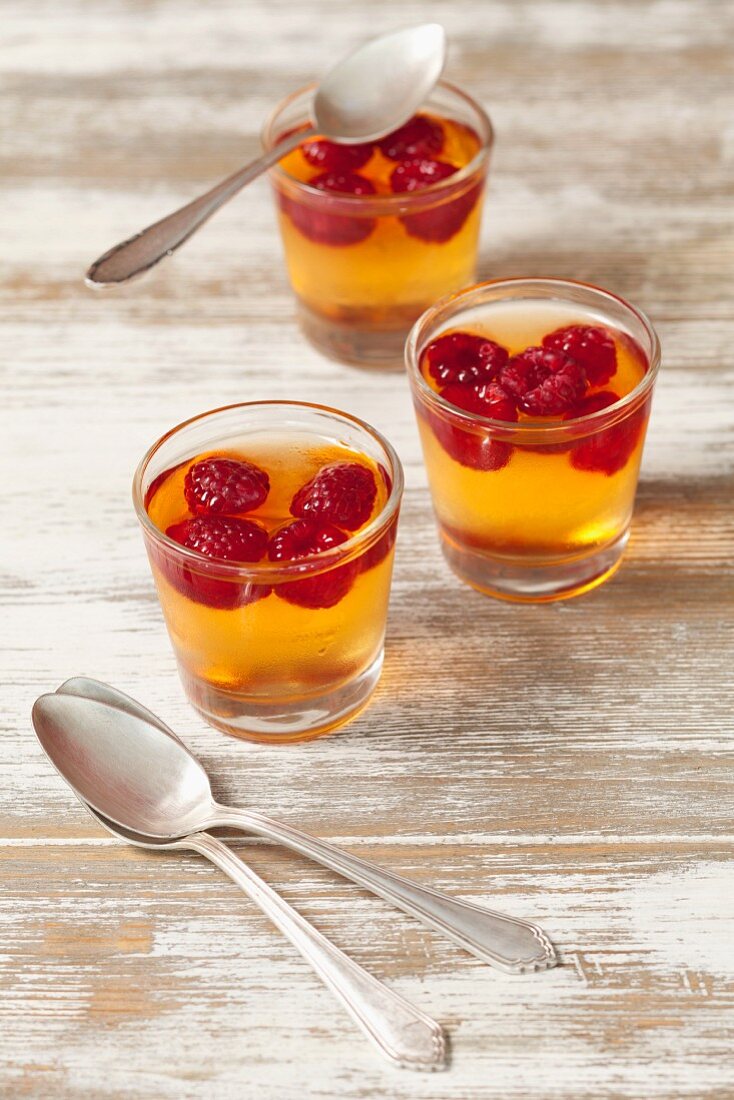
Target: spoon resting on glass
x: 400, y: 1031
x: 364, y: 97
x: 122, y: 760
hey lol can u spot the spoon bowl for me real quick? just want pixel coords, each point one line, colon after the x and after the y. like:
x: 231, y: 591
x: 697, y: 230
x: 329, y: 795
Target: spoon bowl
x: 139, y: 776
x: 379, y: 86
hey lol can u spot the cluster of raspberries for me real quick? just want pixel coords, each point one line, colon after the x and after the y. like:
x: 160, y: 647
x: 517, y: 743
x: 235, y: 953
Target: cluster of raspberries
x: 549, y: 380
x: 552, y: 380
x: 220, y: 491
x: 415, y: 147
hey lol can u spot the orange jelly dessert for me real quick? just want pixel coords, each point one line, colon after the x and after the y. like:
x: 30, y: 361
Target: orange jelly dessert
x: 274, y: 576
x: 532, y: 414
x: 374, y: 233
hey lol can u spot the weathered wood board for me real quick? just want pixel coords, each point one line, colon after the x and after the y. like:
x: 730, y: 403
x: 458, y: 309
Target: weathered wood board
x: 570, y: 763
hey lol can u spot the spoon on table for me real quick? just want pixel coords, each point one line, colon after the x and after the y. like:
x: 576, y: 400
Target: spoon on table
x: 365, y: 96
x: 116, y: 754
x: 398, y: 1029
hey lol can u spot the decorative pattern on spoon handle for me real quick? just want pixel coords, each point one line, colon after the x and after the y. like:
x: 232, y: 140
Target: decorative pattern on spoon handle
x: 508, y: 943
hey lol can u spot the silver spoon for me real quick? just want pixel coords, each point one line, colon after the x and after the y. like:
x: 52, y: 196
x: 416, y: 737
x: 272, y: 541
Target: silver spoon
x: 399, y: 1030
x: 365, y: 96
x: 131, y: 757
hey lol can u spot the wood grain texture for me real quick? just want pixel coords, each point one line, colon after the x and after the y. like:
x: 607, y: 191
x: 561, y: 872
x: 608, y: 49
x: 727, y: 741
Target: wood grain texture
x: 570, y: 763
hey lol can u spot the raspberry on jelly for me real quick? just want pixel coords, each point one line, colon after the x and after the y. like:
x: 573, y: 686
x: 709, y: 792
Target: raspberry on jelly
x: 594, y: 402
x: 380, y: 549
x: 419, y: 173
x: 420, y: 136
x: 216, y: 486
x: 343, y: 493
x: 521, y: 374
x: 225, y: 538
x: 559, y: 392
x: 304, y: 538
x: 330, y: 156
x: 557, y: 381
x: 590, y: 346
x: 343, y: 183
x: 463, y: 357
x: 440, y: 222
x: 607, y: 450
x: 482, y: 398
x: 218, y: 538
x: 319, y: 223
x: 472, y: 446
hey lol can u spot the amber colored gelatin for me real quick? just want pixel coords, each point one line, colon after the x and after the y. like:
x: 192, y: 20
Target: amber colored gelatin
x: 377, y: 272
x: 542, y: 504
x: 264, y: 647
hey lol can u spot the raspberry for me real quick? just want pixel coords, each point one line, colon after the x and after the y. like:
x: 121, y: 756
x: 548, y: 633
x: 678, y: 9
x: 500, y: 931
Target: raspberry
x: 441, y: 222
x: 595, y: 402
x: 302, y: 538
x: 557, y: 381
x: 333, y: 157
x: 608, y: 450
x: 590, y: 346
x: 222, y: 538
x: 225, y: 485
x: 463, y: 357
x: 380, y: 549
x: 418, y: 137
x: 343, y: 183
x: 318, y: 223
x: 483, y: 398
x: 343, y: 493
x: 472, y: 446
x: 560, y: 391
x: 521, y: 375
x: 419, y: 173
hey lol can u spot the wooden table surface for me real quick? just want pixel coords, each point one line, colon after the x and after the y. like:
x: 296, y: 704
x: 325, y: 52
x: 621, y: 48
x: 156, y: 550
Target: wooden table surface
x: 569, y: 763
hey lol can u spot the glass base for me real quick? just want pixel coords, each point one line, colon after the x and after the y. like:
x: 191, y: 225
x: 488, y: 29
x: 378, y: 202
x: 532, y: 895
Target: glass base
x: 300, y: 719
x: 533, y: 580
x: 355, y: 341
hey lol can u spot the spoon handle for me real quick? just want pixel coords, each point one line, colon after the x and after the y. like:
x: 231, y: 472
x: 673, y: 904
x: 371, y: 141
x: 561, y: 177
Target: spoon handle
x: 400, y: 1031
x: 512, y: 945
x: 138, y: 254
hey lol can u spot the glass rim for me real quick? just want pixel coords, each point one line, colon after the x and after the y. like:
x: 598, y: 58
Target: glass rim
x: 391, y: 201
x: 274, y: 571
x: 533, y: 428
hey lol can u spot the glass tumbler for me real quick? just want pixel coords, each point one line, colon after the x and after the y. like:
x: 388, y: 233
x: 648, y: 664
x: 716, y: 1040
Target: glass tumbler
x: 537, y: 509
x: 273, y: 650
x: 363, y: 268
